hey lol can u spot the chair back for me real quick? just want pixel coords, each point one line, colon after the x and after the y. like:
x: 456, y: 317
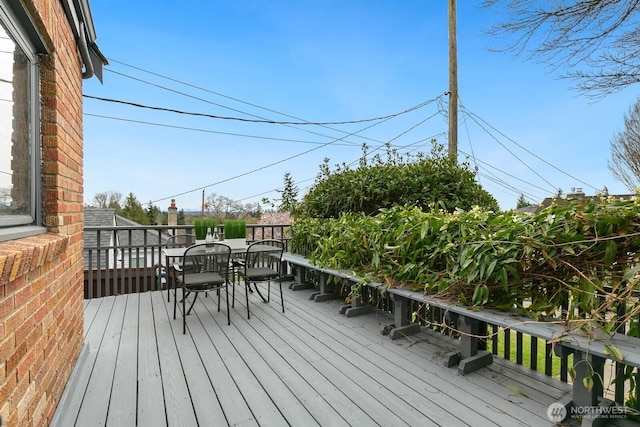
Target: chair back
x: 265, y: 253
x: 208, y: 257
x: 180, y: 240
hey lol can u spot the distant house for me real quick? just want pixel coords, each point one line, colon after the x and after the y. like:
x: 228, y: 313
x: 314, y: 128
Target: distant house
x: 121, y: 248
x: 578, y: 193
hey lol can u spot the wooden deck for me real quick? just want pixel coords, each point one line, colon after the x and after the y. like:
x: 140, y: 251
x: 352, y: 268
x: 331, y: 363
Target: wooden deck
x: 308, y: 366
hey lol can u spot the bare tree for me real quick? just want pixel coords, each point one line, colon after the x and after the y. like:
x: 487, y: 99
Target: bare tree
x: 222, y: 207
x: 625, y: 150
x: 215, y: 205
x: 598, y: 40
x: 107, y: 199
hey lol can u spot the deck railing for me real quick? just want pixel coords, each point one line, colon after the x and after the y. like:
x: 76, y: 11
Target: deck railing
x: 125, y: 259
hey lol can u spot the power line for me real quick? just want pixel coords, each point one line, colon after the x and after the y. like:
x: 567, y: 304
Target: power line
x: 474, y: 116
x: 510, y: 152
x: 236, y: 110
x: 267, y: 166
x: 241, y: 119
x: 505, y: 173
x: 437, y: 99
x: 208, y: 130
x: 334, y: 140
x: 302, y: 122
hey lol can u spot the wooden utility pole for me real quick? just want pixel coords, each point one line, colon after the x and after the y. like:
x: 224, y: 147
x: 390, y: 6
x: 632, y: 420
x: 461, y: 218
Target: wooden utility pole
x: 453, y: 82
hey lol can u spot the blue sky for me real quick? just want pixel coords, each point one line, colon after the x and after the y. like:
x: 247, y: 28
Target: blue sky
x: 330, y: 61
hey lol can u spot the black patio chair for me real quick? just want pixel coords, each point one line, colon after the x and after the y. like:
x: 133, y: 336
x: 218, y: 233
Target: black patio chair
x: 205, y: 268
x: 167, y: 273
x: 262, y: 263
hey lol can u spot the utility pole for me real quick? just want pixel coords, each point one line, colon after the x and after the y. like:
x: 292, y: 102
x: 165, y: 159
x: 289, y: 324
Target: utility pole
x: 453, y: 83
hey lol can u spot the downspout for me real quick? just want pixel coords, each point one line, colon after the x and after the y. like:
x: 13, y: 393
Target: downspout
x: 84, y: 52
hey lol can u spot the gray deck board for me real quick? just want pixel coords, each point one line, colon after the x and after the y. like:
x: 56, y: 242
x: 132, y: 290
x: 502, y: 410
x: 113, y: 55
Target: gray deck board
x: 151, y: 390
x: 94, y: 407
x: 174, y: 383
x: 124, y: 388
x: 445, y: 388
x: 308, y: 366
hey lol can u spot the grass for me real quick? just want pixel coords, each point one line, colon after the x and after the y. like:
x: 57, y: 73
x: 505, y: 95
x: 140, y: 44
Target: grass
x: 526, y: 352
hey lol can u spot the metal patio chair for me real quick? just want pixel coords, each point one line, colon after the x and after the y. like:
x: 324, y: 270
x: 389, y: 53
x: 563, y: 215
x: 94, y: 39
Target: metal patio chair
x: 205, y: 268
x: 262, y: 263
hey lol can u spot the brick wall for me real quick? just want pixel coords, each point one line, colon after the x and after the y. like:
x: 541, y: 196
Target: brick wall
x: 41, y: 277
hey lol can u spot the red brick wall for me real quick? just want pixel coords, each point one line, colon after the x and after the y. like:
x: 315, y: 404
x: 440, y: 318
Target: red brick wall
x: 41, y: 277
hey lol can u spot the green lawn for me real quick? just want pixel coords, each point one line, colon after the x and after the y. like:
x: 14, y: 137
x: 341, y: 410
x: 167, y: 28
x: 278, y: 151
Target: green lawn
x: 526, y: 352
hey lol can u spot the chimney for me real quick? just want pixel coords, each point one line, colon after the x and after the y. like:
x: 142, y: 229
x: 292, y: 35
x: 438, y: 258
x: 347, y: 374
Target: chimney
x: 576, y: 193
x: 172, y: 213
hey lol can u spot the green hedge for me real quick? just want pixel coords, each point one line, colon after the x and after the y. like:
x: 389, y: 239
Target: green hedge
x: 570, y: 253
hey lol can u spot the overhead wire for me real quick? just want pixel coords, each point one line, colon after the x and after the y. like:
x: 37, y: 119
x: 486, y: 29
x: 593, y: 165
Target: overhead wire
x: 235, y: 99
x: 269, y: 165
x: 300, y: 122
x: 438, y: 99
x: 209, y: 131
x: 242, y: 119
x: 477, y: 118
x: 473, y: 154
x: 525, y: 164
x: 505, y: 173
x: 380, y: 119
x: 490, y: 176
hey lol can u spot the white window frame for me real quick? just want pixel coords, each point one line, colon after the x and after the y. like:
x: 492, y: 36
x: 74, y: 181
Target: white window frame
x: 23, y: 33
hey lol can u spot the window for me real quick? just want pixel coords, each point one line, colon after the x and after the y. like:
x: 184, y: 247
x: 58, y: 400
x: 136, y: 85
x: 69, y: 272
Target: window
x: 20, y: 182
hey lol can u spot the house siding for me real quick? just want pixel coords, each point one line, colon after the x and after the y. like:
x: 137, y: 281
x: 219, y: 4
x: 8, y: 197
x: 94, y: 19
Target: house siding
x: 41, y: 277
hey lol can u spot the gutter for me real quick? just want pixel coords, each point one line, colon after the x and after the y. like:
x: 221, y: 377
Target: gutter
x: 84, y: 52
x: 79, y: 16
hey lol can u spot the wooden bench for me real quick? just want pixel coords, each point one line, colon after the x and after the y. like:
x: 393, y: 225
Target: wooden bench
x: 589, y: 352
x: 302, y: 265
x: 589, y: 355
x: 326, y: 292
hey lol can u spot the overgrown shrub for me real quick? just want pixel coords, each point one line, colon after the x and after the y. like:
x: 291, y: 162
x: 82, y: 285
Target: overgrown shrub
x: 420, y: 181
x: 577, y: 257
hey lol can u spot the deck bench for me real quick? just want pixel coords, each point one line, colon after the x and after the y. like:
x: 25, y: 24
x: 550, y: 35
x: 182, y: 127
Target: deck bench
x: 588, y: 354
x: 302, y: 265
x: 324, y: 293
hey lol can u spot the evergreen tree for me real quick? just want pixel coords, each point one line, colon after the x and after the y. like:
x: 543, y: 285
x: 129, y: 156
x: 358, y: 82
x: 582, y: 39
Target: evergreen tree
x: 152, y: 213
x: 522, y: 202
x: 133, y: 210
x: 289, y: 192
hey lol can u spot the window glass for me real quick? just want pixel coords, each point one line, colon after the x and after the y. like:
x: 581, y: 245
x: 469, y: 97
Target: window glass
x: 15, y: 153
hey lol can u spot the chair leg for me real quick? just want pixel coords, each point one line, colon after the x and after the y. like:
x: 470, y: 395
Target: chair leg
x: 175, y: 303
x: 269, y: 291
x: 281, y: 297
x: 195, y: 297
x: 184, y: 313
x: 246, y: 291
x: 169, y: 277
x: 226, y: 288
x: 233, y: 292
